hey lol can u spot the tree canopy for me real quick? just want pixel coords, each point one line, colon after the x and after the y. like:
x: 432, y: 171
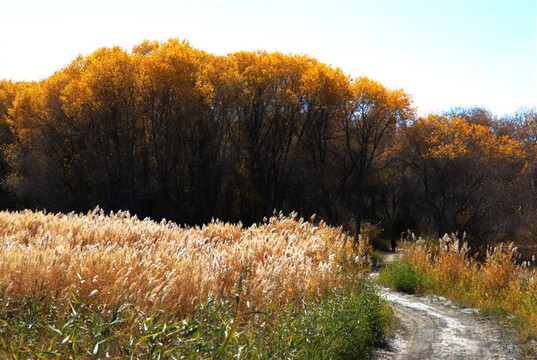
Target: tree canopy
x: 170, y: 131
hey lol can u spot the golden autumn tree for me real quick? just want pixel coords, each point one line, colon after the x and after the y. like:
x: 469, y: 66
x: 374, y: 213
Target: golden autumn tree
x: 368, y: 131
x: 266, y: 128
x: 326, y: 92
x: 8, y: 91
x: 464, y: 171
x: 522, y: 125
x: 100, y: 101
x: 75, y: 134
x: 183, y: 128
x: 34, y: 166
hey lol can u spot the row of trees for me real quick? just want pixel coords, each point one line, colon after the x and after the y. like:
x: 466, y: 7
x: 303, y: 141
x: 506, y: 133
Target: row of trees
x: 171, y: 131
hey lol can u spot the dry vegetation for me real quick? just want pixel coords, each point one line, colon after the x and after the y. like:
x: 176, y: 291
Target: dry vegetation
x: 114, y: 258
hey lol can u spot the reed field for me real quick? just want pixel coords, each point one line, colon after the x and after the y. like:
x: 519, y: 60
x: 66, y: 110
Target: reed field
x: 162, y: 265
x: 83, y: 285
x: 497, y: 284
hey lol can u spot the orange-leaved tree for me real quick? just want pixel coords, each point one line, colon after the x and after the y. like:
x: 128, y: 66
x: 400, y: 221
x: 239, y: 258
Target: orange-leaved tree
x: 463, y: 170
x: 368, y: 129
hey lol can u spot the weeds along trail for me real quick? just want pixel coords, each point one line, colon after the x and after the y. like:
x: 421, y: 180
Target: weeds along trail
x: 432, y: 328
x: 496, y: 285
x: 106, y: 259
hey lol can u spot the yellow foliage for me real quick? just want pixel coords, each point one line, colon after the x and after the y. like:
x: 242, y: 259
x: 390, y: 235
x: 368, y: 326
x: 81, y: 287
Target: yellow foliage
x: 451, y: 138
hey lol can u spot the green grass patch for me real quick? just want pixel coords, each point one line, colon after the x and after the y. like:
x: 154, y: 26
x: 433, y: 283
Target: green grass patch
x: 404, y: 277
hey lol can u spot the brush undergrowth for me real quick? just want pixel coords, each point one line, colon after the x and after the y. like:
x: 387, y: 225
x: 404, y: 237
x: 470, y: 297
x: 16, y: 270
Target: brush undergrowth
x: 96, y: 286
x: 498, y: 286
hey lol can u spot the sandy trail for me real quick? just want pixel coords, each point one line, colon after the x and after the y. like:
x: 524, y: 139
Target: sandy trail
x: 432, y: 329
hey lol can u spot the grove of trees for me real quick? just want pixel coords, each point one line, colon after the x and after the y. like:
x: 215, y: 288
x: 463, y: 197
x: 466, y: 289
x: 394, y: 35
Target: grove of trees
x: 169, y: 131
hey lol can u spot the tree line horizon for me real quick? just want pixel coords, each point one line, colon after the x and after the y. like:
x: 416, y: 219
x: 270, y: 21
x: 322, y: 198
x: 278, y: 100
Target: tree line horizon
x: 170, y: 131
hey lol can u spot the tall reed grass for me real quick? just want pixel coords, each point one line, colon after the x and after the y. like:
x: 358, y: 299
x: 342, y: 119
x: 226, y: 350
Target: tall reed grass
x: 119, y: 257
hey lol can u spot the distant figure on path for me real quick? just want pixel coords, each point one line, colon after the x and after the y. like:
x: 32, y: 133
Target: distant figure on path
x: 394, y: 244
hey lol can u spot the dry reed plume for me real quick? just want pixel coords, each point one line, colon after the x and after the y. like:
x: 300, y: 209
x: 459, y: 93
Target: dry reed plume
x: 106, y: 259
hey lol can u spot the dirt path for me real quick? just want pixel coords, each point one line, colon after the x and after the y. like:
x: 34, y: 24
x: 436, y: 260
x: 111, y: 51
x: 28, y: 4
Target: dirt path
x: 432, y: 329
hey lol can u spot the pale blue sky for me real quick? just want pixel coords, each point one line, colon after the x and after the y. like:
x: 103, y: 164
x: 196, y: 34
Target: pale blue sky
x: 443, y: 53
